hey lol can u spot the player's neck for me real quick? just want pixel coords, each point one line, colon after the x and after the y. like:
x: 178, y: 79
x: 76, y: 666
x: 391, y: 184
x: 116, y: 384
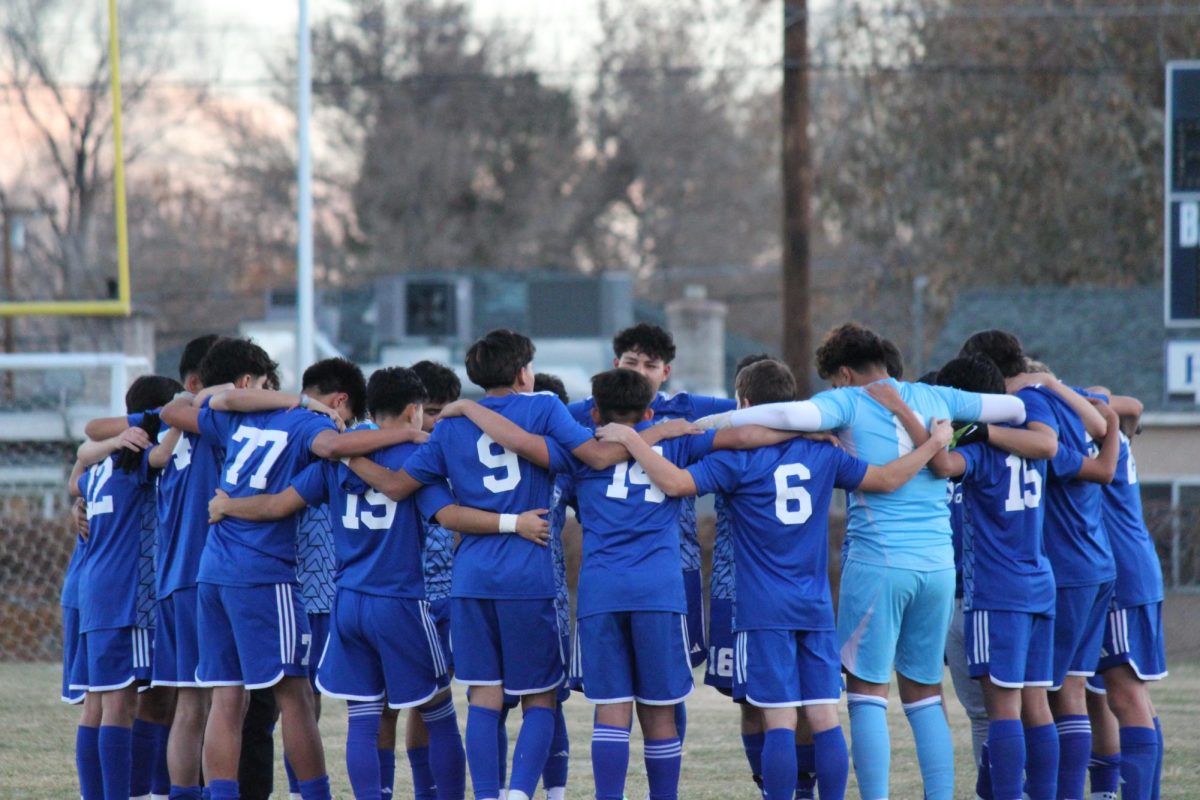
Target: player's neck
x: 502, y: 391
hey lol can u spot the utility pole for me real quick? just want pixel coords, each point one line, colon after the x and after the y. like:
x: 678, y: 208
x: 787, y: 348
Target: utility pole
x: 9, y: 296
x: 797, y: 186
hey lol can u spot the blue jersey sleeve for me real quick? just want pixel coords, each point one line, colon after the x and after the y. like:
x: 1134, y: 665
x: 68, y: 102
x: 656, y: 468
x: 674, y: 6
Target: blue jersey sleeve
x: 702, y: 405
x: 963, y: 406
x: 848, y: 470
x: 215, y: 426
x: 1066, y: 462
x: 562, y: 427
x: 717, y: 473
x: 581, y: 412
x: 837, y: 407
x: 561, y: 460
x: 134, y: 419
x: 311, y: 484
x: 314, y: 427
x: 433, y: 498
x: 972, y: 454
x: 428, y: 464
x: 1038, y: 409
x: 690, y: 449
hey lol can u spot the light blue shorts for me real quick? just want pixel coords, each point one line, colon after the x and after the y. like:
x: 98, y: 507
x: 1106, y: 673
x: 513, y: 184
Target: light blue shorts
x: 891, y: 618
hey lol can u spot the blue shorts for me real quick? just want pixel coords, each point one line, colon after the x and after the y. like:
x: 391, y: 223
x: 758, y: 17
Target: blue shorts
x: 1079, y: 618
x: 176, y: 639
x: 635, y: 655
x: 318, y: 626
x: 382, y: 647
x: 892, y: 618
x: 70, y: 623
x: 1134, y: 636
x: 719, y: 674
x: 777, y: 668
x: 251, y: 636
x: 440, y: 609
x: 510, y: 643
x: 112, y: 658
x: 693, y: 588
x: 1013, y: 649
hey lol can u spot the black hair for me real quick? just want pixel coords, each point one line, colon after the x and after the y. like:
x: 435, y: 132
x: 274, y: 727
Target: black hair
x: 391, y: 389
x: 746, y: 361
x: 229, y: 359
x: 850, y: 345
x: 440, y: 381
x: 545, y: 382
x: 272, y: 382
x: 1000, y: 347
x: 621, y: 395
x: 146, y: 393
x: 894, y: 361
x: 495, y: 361
x: 929, y: 378
x: 767, y: 381
x: 193, y: 353
x: 649, y: 340
x: 972, y: 374
x: 331, y: 375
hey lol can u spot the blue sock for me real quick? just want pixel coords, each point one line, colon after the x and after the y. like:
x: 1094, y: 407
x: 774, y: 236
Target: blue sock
x: 555, y: 773
x: 1104, y: 773
x: 141, y: 759
x: 806, y: 769
x: 502, y: 747
x: 222, y: 790
x: 483, y: 757
x: 1006, y: 755
x: 610, y: 761
x: 160, y: 776
x: 831, y: 763
x: 424, y: 787
x: 1041, y: 762
x: 387, y: 772
x: 318, y: 788
x: 206, y: 791
x: 1139, y: 757
x: 681, y: 721
x: 663, y: 757
x: 533, y: 746
x: 362, y: 756
x: 1154, y: 790
x: 447, y: 761
x: 1074, y: 749
x: 87, y: 763
x: 935, y: 748
x: 983, y: 776
x: 870, y: 744
x: 186, y: 793
x: 779, y: 763
x: 116, y: 756
x: 293, y: 783
x: 752, y: 743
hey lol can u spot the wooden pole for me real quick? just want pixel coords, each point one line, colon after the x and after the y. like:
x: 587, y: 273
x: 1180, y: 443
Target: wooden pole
x: 797, y: 186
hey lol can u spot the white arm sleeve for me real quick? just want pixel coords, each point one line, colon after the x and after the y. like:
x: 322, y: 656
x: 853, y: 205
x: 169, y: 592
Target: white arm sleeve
x: 715, y: 422
x: 800, y: 415
x: 1001, y: 408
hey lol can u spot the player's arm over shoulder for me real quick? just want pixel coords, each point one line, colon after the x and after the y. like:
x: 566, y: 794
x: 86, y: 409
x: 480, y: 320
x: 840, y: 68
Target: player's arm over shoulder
x: 259, y: 508
x: 896, y: 473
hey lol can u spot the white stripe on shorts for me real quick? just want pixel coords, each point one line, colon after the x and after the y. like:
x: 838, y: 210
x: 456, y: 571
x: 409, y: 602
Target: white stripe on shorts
x: 435, y: 649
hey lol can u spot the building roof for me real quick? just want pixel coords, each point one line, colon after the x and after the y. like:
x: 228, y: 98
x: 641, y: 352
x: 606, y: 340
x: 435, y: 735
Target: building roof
x: 1113, y: 337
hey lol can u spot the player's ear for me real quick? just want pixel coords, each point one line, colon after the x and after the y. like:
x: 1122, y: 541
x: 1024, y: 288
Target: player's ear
x: 244, y: 381
x: 666, y: 372
x: 616, y: 362
x: 596, y: 416
x: 413, y: 412
x: 648, y: 414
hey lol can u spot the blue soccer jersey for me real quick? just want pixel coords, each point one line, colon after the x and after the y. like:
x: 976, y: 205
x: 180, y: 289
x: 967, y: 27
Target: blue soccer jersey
x: 1073, y: 531
x: 109, y: 575
x: 70, y: 589
x: 779, y: 502
x: 314, y: 559
x: 563, y: 495
x: 263, y: 452
x: 955, y: 499
x: 630, y: 534
x: 1139, y: 572
x: 185, y: 485
x: 378, y: 541
x: 1004, y: 561
x: 910, y: 527
x: 488, y: 477
x: 721, y: 582
x: 147, y: 596
x: 674, y: 406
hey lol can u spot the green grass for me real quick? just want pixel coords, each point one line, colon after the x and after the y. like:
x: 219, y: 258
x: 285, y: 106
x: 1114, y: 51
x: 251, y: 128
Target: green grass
x: 37, y: 743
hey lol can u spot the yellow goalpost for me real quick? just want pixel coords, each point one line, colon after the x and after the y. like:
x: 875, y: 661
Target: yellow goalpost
x: 122, y: 304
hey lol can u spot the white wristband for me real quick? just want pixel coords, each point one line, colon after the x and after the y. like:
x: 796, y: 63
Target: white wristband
x: 508, y: 523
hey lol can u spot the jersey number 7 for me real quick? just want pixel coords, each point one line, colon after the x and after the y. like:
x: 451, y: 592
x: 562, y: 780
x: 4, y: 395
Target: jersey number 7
x: 253, y: 438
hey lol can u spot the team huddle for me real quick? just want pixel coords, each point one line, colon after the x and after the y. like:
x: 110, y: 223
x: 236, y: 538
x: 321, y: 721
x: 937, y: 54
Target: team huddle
x: 242, y: 548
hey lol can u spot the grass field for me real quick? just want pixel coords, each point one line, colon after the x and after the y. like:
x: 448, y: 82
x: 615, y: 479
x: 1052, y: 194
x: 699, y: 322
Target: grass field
x: 37, y: 744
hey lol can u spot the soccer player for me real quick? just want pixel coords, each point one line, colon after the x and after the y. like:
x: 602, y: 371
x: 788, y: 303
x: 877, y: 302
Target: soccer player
x: 503, y: 620
x: 649, y: 349
x: 1133, y: 652
x: 1076, y: 544
x: 114, y: 652
x: 779, y: 496
x: 1008, y: 599
x: 900, y: 557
